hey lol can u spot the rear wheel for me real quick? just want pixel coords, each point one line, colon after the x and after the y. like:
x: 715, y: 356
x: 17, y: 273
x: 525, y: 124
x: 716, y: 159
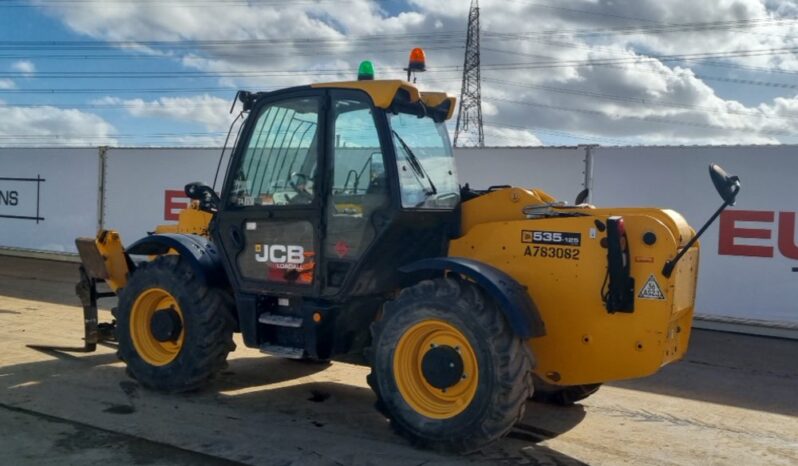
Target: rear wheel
x: 447, y: 368
x: 174, y: 331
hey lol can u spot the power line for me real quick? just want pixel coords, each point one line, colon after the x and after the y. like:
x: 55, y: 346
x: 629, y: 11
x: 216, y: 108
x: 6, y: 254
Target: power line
x: 176, y: 90
x: 125, y: 135
x: 639, y: 100
x: 654, y: 120
x: 641, y: 58
x: 653, y: 59
x: 553, y: 63
x: 224, y: 105
x: 319, y: 51
x: 128, y: 90
x: 195, y: 74
x: 125, y: 90
x: 180, y: 3
x: 581, y: 12
x: 369, y: 39
x: 550, y: 62
x: 658, y: 28
x: 197, y: 43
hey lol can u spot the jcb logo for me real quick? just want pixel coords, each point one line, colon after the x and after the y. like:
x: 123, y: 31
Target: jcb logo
x: 279, y: 253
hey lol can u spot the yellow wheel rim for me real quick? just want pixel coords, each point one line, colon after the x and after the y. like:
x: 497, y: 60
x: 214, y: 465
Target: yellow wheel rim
x: 157, y: 353
x: 425, y: 399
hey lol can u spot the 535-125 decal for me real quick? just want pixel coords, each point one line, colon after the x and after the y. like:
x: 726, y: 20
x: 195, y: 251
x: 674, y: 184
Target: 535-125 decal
x: 550, y: 244
x: 563, y: 238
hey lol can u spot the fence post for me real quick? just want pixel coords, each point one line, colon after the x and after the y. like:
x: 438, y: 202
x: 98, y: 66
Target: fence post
x: 588, y: 171
x: 102, y: 152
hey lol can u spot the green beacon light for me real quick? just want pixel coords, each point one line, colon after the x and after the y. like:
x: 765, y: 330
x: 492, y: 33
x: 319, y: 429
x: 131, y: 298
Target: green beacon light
x: 365, y: 72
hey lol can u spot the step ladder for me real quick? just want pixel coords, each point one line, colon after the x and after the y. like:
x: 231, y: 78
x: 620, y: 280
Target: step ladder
x: 278, y: 320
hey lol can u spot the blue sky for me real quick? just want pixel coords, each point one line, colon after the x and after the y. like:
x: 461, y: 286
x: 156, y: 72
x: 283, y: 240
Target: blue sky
x: 31, y: 24
x: 543, y: 77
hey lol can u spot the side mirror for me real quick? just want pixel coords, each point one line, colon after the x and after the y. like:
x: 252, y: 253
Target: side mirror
x: 727, y: 185
x: 207, y: 197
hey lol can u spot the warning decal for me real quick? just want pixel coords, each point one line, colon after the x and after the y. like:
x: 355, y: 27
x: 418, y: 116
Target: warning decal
x: 651, y: 289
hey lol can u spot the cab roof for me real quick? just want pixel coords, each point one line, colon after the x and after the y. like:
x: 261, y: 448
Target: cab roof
x: 383, y: 92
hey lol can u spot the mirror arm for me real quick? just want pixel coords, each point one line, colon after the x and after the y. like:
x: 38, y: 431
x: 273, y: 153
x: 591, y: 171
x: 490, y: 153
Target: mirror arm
x: 667, y: 270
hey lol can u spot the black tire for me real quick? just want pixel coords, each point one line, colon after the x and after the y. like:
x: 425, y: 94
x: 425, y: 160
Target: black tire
x: 562, y: 396
x: 504, y: 366
x: 208, y: 325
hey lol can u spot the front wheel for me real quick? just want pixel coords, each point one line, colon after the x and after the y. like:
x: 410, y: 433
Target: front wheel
x: 174, y: 331
x: 447, y: 368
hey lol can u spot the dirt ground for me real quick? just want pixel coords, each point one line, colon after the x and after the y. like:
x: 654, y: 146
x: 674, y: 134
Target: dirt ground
x: 733, y: 400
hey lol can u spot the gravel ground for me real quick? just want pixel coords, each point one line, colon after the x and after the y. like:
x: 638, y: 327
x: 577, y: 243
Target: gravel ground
x: 733, y: 400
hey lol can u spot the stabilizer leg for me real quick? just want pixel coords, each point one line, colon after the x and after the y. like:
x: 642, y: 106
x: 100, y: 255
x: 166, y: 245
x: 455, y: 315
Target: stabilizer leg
x: 94, y: 332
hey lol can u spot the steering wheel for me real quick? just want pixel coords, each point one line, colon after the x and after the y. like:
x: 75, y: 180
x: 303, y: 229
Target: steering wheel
x: 295, y: 180
x: 302, y: 195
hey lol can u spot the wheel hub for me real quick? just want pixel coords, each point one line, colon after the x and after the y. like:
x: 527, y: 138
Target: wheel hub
x: 156, y: 326
x: 442, y: 366
x: 435, y: 369
x: 166, y: 325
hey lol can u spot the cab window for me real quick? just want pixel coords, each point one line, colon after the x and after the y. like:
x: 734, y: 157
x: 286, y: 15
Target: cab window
x: 278, y: 167
x: 425, y: 162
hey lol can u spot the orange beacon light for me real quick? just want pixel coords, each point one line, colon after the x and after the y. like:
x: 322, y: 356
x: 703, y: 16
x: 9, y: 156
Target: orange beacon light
x: 417, y: 63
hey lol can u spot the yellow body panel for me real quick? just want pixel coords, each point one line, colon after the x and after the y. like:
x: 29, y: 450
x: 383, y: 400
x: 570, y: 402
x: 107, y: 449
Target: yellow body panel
x: 190, y: 221
x: 433, y: 99
x: 583, y: 342
x: 383, y: 91
x: 109, y: 245
x: 503, y: 204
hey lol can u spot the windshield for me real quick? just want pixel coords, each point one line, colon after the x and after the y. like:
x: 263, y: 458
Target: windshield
x: 427, y: 177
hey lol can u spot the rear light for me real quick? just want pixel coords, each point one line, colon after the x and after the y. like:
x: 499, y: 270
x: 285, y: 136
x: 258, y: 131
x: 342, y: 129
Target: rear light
x: 620, y: 225
x: 620, y: 294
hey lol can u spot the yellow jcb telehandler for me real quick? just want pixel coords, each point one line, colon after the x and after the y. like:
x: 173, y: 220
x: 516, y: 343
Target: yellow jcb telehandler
x: 341, y: 231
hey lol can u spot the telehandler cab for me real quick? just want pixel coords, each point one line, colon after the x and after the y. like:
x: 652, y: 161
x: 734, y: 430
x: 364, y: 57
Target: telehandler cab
x: 341, y: 232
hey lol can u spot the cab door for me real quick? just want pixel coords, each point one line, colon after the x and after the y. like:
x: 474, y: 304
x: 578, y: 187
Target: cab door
x: 358, y: 202
x: 269, y: 223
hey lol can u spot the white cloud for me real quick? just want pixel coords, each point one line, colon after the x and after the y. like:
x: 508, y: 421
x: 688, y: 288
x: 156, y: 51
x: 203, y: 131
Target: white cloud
x: 24, y: 66
x: 46, y: 126
x: 7, y: 84
x: 642, y: 99
x: 211, y: 112
x: 511, y: 136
